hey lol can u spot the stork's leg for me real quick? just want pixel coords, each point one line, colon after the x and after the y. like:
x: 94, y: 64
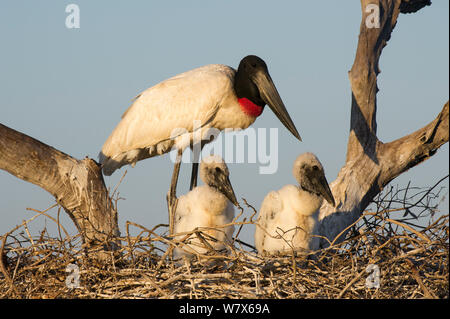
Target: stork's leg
x: 172, y: 195
x: 194, y: 173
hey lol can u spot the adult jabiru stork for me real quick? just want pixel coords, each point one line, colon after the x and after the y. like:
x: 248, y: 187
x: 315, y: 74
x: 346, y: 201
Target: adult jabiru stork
x: 288, y: 217
x: 179, y: 112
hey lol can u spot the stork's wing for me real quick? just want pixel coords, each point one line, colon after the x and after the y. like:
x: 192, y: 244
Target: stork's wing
x: 184, y: 102
x: 271, y: 207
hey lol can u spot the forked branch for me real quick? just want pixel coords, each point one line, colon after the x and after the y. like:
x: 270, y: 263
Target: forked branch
x: 370, y: 164
x: 77, y: 185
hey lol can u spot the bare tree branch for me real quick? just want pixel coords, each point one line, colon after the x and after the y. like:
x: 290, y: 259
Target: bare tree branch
x: 400, y: 155
x: 77, y: 185
x: 363, y: 77
x: 411, y: 6
x: 370, y: 164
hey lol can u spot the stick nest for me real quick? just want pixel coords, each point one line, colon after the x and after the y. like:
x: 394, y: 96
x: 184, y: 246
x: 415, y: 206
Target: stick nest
x: 395, y: 250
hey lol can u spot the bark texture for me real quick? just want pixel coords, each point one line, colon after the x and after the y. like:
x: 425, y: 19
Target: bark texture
x: 371, y: 164
x: 77, y: 185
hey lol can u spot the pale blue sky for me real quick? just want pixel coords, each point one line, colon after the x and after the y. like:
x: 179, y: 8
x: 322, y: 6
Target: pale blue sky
x: 68, y: 88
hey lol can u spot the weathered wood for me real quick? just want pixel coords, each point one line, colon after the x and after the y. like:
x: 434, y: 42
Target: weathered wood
x: 404, y: 153
x: 371, y: 164
x: 77, y: 185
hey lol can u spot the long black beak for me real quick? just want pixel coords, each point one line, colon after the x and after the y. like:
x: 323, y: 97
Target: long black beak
x: 228, y: 191
x: 270, y: 95
x: 321, y: 185
x: 222, y: 184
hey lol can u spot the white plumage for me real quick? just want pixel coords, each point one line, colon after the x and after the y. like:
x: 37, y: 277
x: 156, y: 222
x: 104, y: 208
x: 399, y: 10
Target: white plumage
x: 198, y: 99
x: 288, y: 217
x: 207, y: 208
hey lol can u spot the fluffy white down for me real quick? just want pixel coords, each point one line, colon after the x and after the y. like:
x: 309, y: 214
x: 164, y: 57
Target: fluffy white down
x: 286, y: 220
x: 203, y: 207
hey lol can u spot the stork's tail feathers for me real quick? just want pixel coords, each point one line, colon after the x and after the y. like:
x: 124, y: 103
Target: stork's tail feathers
x: 108, y: 164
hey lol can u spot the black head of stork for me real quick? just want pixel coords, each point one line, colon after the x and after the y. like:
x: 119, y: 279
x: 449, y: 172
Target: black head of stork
x: 253, y: 83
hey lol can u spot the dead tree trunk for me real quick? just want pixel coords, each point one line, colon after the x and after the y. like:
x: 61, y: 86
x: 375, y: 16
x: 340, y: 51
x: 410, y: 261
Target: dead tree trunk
x: 77, y: 185
x: 371, y: 164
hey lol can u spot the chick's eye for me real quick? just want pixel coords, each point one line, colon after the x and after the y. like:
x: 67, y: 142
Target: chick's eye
x: 218, y: 170
x: 254, y: 65
x: 315, y: 167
